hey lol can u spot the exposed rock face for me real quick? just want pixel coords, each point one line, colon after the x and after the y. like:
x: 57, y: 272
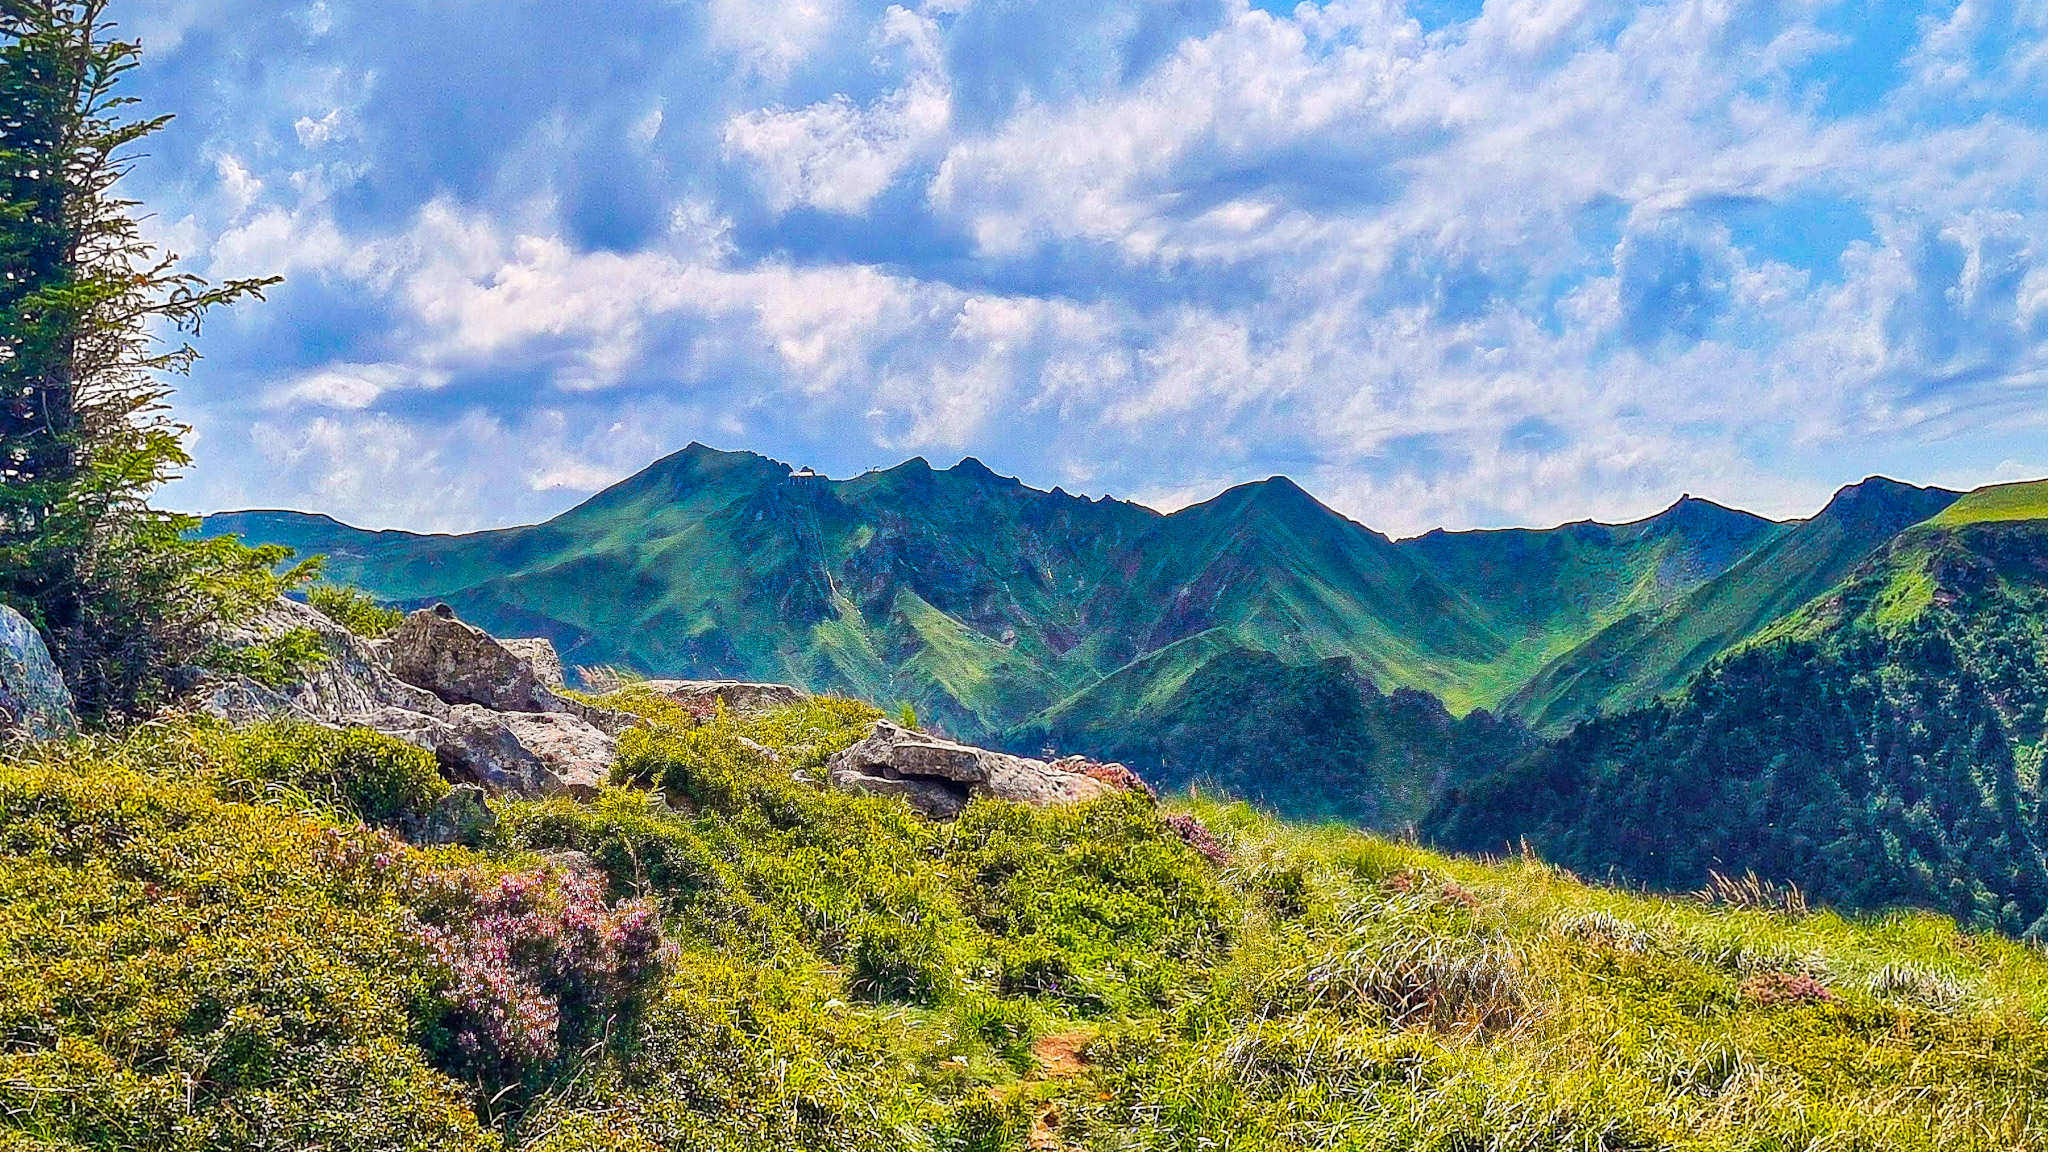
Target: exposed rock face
x: 539, y: 652
x: 526, y: 754
x: 463, y: 664
x: 352, y: 683
x: 938, y: 777
x: 33, y: 699
x: 736, y: 695
x: 546, y: 746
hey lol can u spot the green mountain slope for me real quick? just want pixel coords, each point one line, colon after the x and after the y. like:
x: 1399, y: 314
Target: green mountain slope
x: 1314, y: 740
x: 1001, y: 612
x: 1652, y: 652
x: 1279, y: 572
x: 1880, y: 746
x: 1545, y: 592
x: 1999, y: 503
x: 957, y: 591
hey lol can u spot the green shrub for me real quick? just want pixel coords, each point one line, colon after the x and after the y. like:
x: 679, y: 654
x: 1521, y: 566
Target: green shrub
x: 894, y: 959
x: 362, y: 774
x: 277, y: 661
x: 182, y: 972
x: 355, y: 610
x: 643, y: 849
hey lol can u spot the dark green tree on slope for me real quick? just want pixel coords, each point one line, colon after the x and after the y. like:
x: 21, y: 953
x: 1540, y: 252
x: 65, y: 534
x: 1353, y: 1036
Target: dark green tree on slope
x: 93, y: 319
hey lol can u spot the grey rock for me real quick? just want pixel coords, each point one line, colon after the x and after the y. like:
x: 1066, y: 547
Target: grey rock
x: 463, y: 816
x: 351, y: 683
x: 939, y: 777
x: 539, y: 652
x: 462, y: 664
x: 736, y: 695
x: 548, y: 745
x: 937, y: 799
x: 525, y: 754
x: 34, y: 701
x: 239, y: 699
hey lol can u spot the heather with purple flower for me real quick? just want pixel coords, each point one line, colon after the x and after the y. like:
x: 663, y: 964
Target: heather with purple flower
x: 536, y: 965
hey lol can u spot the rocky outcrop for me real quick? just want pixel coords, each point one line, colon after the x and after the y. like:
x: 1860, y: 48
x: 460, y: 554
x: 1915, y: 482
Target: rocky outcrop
x: 34, y: 703
x: 539, y: 652
x: 463, y: 664
x: 485, y: 711
x: 938, y: 777
x: 735, y: 695
x: 350, y: 683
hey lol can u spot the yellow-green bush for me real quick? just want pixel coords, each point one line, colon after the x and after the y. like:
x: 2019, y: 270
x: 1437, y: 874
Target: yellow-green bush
x: 360, y: 774
x: 181, y: 971
x: 355, y: 610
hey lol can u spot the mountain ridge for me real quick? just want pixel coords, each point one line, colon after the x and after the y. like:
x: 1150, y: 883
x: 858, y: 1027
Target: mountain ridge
x: 1001, y: 612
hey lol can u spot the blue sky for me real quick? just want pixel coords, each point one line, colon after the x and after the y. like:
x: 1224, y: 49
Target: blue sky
x: 1442, y: 262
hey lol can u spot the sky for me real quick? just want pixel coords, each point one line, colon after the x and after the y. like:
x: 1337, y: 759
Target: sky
x: 1442, y: 262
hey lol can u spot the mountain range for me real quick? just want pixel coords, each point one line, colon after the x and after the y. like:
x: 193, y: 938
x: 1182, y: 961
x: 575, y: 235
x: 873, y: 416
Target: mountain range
x: 1226, y: 641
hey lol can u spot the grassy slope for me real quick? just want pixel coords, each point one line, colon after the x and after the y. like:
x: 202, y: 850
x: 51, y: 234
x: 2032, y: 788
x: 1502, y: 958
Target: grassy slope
x: 1652, y: 653
x: 1279, y: 572
x: 1307, y: 740
x: 185, y: 969
x: 2027, y: 501
x: 1548, y: 592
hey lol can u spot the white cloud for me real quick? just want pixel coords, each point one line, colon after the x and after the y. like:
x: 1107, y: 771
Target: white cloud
x: 772, y: 37
x: 835, y: 156
x: 354, y: 386
x: 1571, y: 257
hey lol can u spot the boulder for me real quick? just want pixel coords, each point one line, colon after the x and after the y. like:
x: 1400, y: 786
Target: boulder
x: 34, y: 702
x: 529, y: 755
x: 736, y: 695
x: 547, y: 746
x: 938, y: 777
x: 539, y: 652
x: 462, y: 664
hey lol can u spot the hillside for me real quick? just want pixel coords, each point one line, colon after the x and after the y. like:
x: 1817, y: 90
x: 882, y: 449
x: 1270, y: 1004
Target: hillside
x: 1880, y: 746
x: 996, y: 610
x: 1654, y: 650
x: 206, y: 948
x: 1315, y: 740
x: 1551, y: 592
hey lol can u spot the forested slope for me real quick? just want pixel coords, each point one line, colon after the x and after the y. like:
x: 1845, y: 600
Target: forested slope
x: 1882, y: 746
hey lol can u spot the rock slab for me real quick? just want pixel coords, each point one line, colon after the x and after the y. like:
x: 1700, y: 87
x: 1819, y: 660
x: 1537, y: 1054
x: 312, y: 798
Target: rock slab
x: 463, y: 664
x: 539, y: 652
x: 525, y: 753
x: 34, y: 702
x: 939, y: 777
x: 736, y: 695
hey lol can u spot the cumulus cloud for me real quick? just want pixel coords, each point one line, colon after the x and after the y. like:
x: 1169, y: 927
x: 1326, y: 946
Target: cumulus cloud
x: 1564, y: 257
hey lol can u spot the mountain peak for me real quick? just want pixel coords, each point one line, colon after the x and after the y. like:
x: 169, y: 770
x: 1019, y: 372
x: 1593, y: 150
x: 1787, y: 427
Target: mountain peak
x: 1883, y: 499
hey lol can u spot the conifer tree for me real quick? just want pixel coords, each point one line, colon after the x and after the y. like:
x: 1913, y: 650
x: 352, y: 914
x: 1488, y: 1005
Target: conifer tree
x: 93, y: 318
